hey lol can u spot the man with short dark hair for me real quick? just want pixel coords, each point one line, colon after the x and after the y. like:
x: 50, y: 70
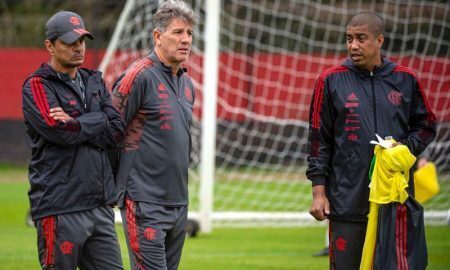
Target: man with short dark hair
x: 366, y: 95
x: 156, y: 97
x: 70, y: 121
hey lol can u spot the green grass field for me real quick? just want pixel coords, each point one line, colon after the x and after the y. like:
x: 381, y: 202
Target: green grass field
x: 241, y: 249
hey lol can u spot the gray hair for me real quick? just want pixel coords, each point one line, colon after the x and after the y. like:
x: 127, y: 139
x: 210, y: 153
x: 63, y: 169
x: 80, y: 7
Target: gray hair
x: 373, y: 20
x: 173, y: 9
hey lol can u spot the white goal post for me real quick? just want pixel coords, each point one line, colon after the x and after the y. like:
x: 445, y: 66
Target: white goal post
x: 254, y: 65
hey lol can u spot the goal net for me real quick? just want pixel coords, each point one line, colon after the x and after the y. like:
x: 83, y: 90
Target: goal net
x: 270, y: 54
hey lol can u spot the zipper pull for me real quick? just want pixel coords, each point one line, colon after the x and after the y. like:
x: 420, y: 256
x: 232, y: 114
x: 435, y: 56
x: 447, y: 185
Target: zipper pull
x: 371, y: 74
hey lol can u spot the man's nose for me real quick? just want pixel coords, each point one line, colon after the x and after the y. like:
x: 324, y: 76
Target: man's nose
x: 77, y: 45
x: 186, y: 38
x: 354, y: 45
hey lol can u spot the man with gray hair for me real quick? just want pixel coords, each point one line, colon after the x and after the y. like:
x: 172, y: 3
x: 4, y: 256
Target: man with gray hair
x: 155, y: 98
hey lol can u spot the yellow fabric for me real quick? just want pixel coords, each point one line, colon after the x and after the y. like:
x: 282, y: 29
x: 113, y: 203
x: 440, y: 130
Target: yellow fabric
x: 371, y: 237
x: 391, y: 174
x: 426, y: 182
x: 389, y: 180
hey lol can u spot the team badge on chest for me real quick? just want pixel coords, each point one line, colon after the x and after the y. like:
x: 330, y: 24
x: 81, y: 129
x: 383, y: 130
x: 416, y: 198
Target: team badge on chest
x: 395, y: 97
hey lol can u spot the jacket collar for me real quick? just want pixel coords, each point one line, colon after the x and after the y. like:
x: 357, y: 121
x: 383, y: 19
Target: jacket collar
x: 157, y: 62
x: 384, y: 69
x: 46, y: 71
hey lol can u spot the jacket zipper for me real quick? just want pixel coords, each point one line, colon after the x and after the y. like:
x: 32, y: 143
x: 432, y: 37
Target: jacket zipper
x: 374, y: 107
x: 72, y: 163
x: 103, y: 177
x: 74, y: 90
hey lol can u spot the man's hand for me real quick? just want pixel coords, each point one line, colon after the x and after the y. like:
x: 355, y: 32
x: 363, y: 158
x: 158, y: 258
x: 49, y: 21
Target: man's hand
x: 58, y: 114
x: 396, y: 143
x: 421, y: 162
x: 320, y: 207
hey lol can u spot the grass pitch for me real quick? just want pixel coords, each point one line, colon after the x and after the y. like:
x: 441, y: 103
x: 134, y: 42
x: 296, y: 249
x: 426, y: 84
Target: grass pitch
x: 240, y: 249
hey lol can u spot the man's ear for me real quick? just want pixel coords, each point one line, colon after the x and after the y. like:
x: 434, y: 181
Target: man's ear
x: 49, y: 46
x: 380, y: 40
x: 157, y: 37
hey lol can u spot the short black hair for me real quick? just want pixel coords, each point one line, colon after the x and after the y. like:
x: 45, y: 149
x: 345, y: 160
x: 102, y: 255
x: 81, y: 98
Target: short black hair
x: 373, y: 20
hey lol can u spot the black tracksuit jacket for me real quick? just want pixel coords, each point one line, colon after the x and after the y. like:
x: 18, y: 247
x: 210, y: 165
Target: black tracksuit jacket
x: 348, y: 108
x: 69, y: 170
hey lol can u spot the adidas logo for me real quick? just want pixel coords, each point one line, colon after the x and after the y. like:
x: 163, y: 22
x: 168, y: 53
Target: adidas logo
x: 161, y: 87
x: 352, y: 96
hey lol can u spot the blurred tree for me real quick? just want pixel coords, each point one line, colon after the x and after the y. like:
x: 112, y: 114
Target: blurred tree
x: 23, y: 21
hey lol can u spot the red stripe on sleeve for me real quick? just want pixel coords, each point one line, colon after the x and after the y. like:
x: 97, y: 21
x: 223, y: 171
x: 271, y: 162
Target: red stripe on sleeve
x: 40, y: 97
x: 131, y: 74
x: 317, y: 102
x: 317, y: 106
x: 36, y: 95
x: 318, y: 93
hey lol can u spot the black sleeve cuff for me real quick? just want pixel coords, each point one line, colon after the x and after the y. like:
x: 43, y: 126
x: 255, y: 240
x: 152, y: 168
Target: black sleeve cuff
x: 319, y: 181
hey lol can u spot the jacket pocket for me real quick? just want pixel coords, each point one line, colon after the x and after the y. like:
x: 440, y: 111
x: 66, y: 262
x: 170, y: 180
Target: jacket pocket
x: 72, y: 163
x: 94, y: 102
x: 343, y: 169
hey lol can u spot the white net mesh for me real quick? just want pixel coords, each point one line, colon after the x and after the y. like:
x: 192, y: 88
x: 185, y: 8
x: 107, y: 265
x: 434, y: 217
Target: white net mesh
x: 271, y: 53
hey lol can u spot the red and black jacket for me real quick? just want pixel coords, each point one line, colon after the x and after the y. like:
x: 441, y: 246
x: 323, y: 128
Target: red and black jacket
x: 348, y: 108
x: 69, y: 171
